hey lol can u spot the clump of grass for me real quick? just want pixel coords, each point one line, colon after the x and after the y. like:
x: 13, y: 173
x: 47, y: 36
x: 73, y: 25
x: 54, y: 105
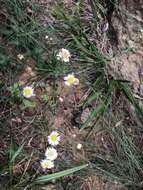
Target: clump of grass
x: 23, y: 32
x: 19, y: 26
x: 125, y: 165
x: 122, y: 159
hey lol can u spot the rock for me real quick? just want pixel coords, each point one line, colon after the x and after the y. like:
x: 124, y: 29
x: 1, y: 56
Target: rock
x: 126, y: 21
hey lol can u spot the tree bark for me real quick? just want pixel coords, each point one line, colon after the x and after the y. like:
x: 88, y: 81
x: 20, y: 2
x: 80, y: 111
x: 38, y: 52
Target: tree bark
x: 125, y: 20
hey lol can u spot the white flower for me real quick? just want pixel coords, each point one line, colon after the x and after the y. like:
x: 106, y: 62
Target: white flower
x: 46, y: 37
x: 51, y: 154
x: 79, y: 146
x: 47, y: 164
x: 28, y: 92
x: 71, y: 80
x: 64, y: 55
x: 54, y: 138
x: 20, y: 56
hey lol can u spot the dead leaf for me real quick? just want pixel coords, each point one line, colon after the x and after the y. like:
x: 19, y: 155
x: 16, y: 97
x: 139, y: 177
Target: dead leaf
x: 85, y: 114
x: 16, y: 120
x: 59, y: 121
x: 67, y: 3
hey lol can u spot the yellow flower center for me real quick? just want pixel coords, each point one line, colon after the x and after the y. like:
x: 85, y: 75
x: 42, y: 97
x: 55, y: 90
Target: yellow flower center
x: 27, y: 91
x: 45, y: 165
x: 71, y: 80
x: 54, y: 138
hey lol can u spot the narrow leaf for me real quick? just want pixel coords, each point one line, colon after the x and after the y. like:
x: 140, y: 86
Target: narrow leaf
x: 17, y: 153
x: 67, y: 172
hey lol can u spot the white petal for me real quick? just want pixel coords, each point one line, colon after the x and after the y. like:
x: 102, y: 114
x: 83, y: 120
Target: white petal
x: 66, y: 59
x: 54, y: 133
x: 65, y: 78
x: 76, y: 82
x: 66, y: 83
x: 58, y: 58
x: 50, y: 164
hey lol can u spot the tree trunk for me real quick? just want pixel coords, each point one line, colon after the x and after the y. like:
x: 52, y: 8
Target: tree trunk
x: 125, y: 19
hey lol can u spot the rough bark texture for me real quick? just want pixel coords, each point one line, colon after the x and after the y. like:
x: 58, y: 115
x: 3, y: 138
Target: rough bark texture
x: 126, y: 26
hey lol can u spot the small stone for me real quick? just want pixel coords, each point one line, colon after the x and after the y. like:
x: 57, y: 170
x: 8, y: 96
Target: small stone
x: 61, y: 99
x: 74, y: 135
x: 20, y: 56
x: 79, y: 146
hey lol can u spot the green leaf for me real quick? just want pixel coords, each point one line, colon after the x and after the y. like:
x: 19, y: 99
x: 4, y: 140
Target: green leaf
x: 98, y: 110
x: 12, y: 155
x: 67, y: 172
x: 129, y: 95
x: 45, y: 97
x: 16, y: 153
x: 28, y: 104
x: 79, y: 44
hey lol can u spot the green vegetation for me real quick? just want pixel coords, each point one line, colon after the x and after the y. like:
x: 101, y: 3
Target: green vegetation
x: 26, y: 123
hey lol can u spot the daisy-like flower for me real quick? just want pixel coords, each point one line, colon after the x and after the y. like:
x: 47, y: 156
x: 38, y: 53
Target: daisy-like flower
x: 47, y: 164
x: 20, y: 56
x: 64, y: 55
x: 28, y: 92
x: 54, y: 138
x: 71, y: 80
x: 51, y: 154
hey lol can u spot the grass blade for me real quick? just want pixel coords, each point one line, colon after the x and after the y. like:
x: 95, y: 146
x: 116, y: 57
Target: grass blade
x: 13, y: 155
x: 67, y: 172
x: 101, y: 107
x: 128, y: 94
x: 16, y: 153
